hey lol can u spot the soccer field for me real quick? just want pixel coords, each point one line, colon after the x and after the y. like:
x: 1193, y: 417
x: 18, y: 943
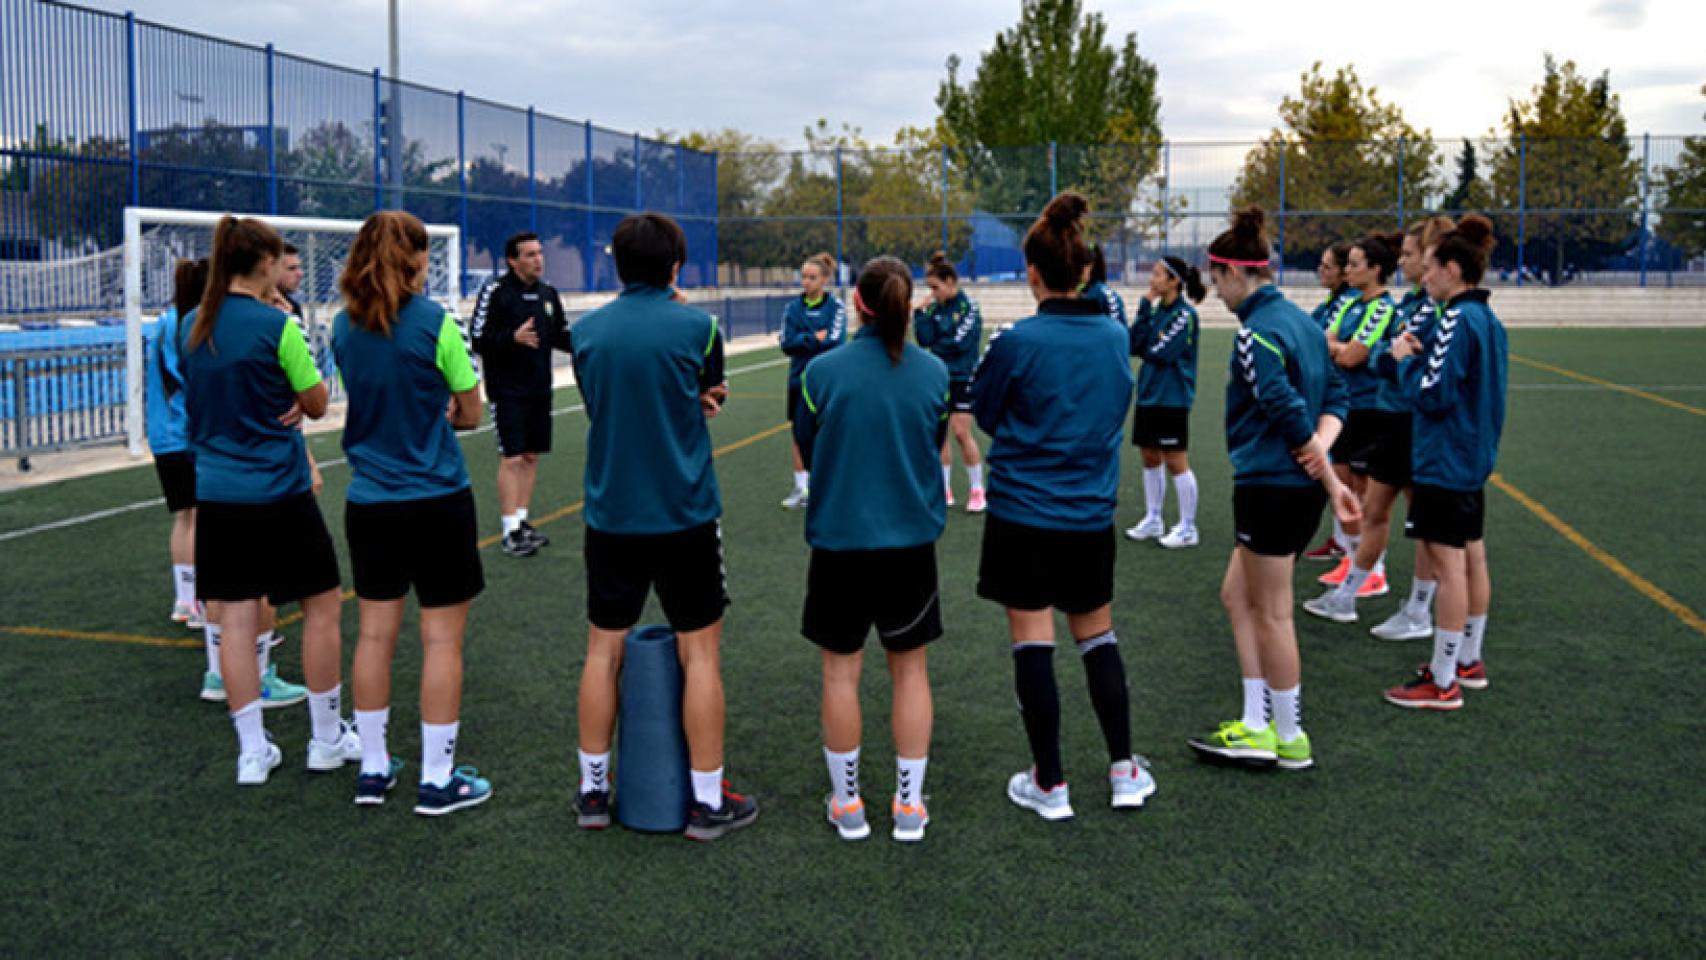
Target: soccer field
x: 1556, y: 814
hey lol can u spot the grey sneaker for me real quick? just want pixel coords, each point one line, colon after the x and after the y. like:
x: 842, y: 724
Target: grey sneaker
x: 1052, y: 804
x: 1180, y: 537
x: 796, y: 500
x: 909, y: 821
x: 323, y: 757
x: 1147, y: 529
x: 1330, y: 606
x: 1404, y: 626
x: 1131, y: 782
x: 254, y: 768
x: 847, y: 818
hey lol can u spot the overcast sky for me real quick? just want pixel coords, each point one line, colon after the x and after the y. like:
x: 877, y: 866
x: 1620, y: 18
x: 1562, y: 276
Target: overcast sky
x: 770, y: 68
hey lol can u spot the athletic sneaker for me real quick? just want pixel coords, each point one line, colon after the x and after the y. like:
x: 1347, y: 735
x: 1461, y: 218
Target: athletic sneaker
x: 1147, y: 529
x: 909, y: 821
x: 705, y: 824
x: 277, y: 693
x: 277, y: 638
x: 976, y: 502
x: 1422, y: 693
x: 1374, y: 586
x: 1179, y: 537
x: 539, y: 539
x: 371, y: 788
x: 848, y: 819
x: 1336, y: 576
x: 592, y: 809
x: 253, y: 768
x: 181, y: 611
x: 1326, y: 552
x: 1237, y: 742
x: 1294, y: 754
x: 1054, y: 803
x: 466, y: 788
x: 950, y: 491
x: 518, y: 544
x: 324, y: 757
x: 1131, y: 782
x: 1403, y: 626
x: 1472, y: 676
x: 212, y: 687
x: 796, y: 500
x: 1329, y: 606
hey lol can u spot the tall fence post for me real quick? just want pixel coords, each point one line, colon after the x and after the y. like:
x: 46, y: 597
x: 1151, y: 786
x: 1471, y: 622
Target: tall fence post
x: 1285, y: 148
x: 838, y: 215
x: 1646, y: 199
x: 637, y: 189
x: 532, y: 176
x: 945, y: 202
x: 1400, y: 184
x: 717, y: 224
x: 1521, y: 204
x: 272, y: 135
x: 462, y: 185
x: 1166, y: 185
x: 680, y: 179
x: 379, y: 134
x: 1053, y: 169
x: 133, y: 104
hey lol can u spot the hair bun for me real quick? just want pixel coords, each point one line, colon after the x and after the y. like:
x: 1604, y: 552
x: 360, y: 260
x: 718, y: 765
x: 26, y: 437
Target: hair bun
x: 1249, y: 223
x: 1066, y: 209
x: 939, y: 258
x: 1476, y: 229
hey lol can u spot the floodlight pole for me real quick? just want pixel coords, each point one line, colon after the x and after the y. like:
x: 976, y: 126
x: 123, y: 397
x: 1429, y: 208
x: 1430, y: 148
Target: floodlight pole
x: 394, y: 151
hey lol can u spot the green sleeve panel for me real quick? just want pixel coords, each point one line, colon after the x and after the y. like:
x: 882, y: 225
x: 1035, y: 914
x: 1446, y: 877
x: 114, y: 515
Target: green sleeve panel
x: 293, y: 356
x: 453, y: 359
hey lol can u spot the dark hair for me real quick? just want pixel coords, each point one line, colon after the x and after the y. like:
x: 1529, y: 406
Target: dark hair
x: 1190, y: 278
x: 885, y: 295
x: 512, y: 246
x: 290, y: 249
x: 941, y: 268
x: 1381, y: 252
x: 189, y: 282
x: 380, y: 273
x: 1056, y: 244
x: 1247, y: 240
x: 648, y: 248
x: 239, y: 246
x: 1098, y: 264
x: 1469, y: 245
x: 1340, y: 252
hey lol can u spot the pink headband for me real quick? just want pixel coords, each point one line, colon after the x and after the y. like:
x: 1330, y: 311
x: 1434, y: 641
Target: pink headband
x: 859, y: 305
x: 1229, y: 262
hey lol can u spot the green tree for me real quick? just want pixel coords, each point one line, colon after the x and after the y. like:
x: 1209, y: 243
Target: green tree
x: 1683, y: 220
x: 1469, y: 193
x: 905, y: 190
x: 77, y: 190
x: 749, y: 170
x: 1340, y: 148
x: 1567, y: 158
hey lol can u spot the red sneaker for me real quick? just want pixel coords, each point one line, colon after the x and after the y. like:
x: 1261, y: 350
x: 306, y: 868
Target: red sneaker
x: 950, y: 496
x: 1374, y: 586
x: 1326, y: 552
x: 1423, y: 694
x: 1472, y: 676
x: 1337, y: 575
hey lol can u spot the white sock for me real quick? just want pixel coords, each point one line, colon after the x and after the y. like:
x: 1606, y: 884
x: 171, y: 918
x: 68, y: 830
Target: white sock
x: 251, y: 732
x: 438, y: 752
x: 1154, y: 491
x: 1379, y: 564
x: 595, y: 772
x: 1338, y: 533
x: 210, y: 640
x: 843, y: 773
x: 1255, y: 703
x: 520, y: 514
x: 947, y: 478
x: 372, y: 725
x: 1351, y: 543
x: 1185, y: 484
x: 1420, y: 604
x: 1444, y: 663
x: 909, y: 780
x: 1354, y: 577
x: 975, y: 474
x: 708, y: 787
x: 511, y: 522
x: 183, y: 580
x: 263, y: 652
x: 324, y: 717
x: 802, y: 482
x: 1474, y: 631
x: 1288, y: 712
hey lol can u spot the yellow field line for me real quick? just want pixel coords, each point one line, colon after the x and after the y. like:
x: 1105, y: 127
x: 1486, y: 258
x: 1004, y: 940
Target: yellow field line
x: 102, y: 637
x: 1607, y: 384
x: 1641, y: 584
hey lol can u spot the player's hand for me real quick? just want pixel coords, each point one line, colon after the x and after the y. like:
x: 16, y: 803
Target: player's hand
x: 1312, y: 457
x: 527, y: 336
x: 291, y: 417
x: 316, y: 481
x: 1406, y: 346
x: 1345, y: 504
x: 823, y: 334
x: 711, y: 401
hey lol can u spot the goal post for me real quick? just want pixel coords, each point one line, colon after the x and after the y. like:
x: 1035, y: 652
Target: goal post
x: 156, y: 238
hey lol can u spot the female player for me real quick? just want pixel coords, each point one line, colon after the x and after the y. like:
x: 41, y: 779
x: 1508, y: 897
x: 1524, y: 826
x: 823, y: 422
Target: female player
x: 173, y: 463
x: 871, y: 423
x: 248, y: 378
x: 951, y: 327
x: 1052, y: 391
x: 1284, y: 404
x: 1098, y: 289
x: 410, y: 518
x: 1331, y: 272
x: 1165, y: 337
x: 810, y: 325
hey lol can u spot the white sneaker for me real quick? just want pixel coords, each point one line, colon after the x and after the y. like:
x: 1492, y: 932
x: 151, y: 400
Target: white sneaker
x: 795, y: 500
x: 1131, y: 782
x: 1179, y: 537
x: 1055, y: 804
x: 1403, y: 626
x: 1329, y: 606
x: 253, y: 768
x: 182, y: 611
x: 1147, y: 529
x: 330, y: 756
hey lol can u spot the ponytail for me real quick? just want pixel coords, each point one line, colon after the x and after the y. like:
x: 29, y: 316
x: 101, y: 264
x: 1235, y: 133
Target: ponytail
x: 883, y: 296
x: 1469, y: 245
x: 1056, y: 243
x: 941, y: 268
x: 238, y: 248
x: 1189, y: 277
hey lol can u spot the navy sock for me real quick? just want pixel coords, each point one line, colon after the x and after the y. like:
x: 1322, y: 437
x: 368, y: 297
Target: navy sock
x: 1039, y: 705
x: 1104, y: 671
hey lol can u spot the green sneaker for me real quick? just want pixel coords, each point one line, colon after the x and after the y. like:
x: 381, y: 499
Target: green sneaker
x: 1235, y: 742
x: 1294, y: 754
x: 277, y: 693
x: 212, y: 687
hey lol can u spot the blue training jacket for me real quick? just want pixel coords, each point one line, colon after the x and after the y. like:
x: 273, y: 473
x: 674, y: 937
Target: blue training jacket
x: 1166, y: 340
x: 168, y: 424
x: 1414, y: 314
x: 1111, y: 302
x: 800, y: 326
x: 1367, y: 322
x: 1282, y: 381
x: 1329, y: 307
x: 1052, y: 392
x: 953, y: 331
x: 871, y: 432
x: 1457, y: 386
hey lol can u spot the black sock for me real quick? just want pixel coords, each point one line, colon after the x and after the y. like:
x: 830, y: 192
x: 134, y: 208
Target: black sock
x: 1104, y: 670
x: 1039, y: 705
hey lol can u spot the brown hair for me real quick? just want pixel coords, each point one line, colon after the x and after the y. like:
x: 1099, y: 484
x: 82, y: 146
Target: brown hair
x: 824, y: 263
x: 381, y: 273
x: 1246, y: 240
x: 1381, y: 252
x: 1469, y: 245
x: 1056, y: 244
x: 648, y: 247
x: 885, y: 295
x: 239, y: 246
x: 1428, y: 230
x: 941, y: 268
x: 189, y: 282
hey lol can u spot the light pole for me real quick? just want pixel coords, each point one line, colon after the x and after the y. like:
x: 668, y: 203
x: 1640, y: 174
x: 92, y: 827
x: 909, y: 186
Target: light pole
x: 394, y: 152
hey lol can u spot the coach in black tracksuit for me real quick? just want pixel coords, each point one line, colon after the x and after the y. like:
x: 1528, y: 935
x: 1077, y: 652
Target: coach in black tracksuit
x: 518, y: 319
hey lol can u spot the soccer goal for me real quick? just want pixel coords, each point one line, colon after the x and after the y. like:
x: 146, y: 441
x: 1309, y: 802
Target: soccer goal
x: 156, y: 239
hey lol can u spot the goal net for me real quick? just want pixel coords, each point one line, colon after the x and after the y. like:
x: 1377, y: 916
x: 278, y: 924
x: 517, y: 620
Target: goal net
x: 156, y: 239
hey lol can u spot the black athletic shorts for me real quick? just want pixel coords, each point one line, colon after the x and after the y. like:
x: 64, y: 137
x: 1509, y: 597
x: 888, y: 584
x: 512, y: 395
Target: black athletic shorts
x: 685, y: 567
x: 177, y: 479
x: 1276, y: 521
x: 959, y: 396
x: 850, y: 591
x: 523, y: 425
x: 793, y: 400
x: 431, y: 545
x: 1352, y: 445
x: 280, y: 551
x: 1454, y: 518
x: 1161, y: 428
x: 1033, y: 568
x: 1388, y: 455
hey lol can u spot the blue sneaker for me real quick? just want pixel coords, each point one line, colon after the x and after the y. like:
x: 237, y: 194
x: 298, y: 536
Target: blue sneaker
x: 277, y: 693
x: 371, y: 788
x: 465, y: 789
x: 1131, y: 783
x: 212, y: 687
